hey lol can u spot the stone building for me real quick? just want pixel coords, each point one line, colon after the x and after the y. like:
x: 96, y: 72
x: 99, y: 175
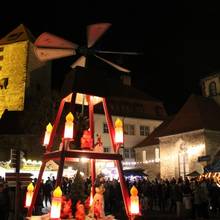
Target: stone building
x: 25, y: 94
x: 190, y: 140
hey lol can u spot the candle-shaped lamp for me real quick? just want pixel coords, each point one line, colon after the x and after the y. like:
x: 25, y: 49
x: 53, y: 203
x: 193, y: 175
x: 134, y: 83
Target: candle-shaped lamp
x: 56, y: 204
x: 68, y: 130
x: 47, y: 134
x: 29, y: 195
x: 119, y: 137
x: 134, y: 200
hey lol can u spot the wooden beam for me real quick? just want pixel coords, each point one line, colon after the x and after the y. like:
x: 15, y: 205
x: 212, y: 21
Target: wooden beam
x: 81, y: 153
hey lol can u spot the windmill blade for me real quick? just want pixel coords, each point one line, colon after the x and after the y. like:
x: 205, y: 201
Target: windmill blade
x: 45, y: 54
x: 114, y: 65
x: 95, y: 31
x: 117, y: 52
x: 79, y: 62
x: 53, y: 41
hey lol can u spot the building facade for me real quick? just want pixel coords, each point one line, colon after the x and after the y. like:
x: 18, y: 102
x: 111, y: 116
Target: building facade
x: 190, y: 140
x: 25, y: 94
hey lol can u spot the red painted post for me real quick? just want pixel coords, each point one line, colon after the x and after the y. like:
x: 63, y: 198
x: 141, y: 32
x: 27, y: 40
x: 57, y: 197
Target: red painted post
x: 57, y: 120
x: 124, y: 188
x: 91, y: 126
x: 61, y: 165
x: 109, y: 124
x: 123, y: 185
x: 36, y: 189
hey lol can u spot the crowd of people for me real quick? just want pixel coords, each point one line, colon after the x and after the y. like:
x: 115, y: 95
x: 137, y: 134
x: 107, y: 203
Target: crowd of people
x: 191, y: 199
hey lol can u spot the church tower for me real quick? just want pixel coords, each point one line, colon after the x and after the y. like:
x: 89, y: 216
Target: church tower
x: 22, y: 75
x: 211, y: 87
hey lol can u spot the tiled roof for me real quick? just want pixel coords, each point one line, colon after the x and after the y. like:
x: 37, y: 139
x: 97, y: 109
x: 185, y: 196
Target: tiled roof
x: 20, y: 33
x: 197, y: 113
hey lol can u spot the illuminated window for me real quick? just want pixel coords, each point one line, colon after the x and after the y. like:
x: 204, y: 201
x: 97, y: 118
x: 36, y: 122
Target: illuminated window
x: 183, y: 164
x: 212, y: 89
x: 105, y: 128
x: 129, y: 129
x: 144, y: 130
x: 157, y: 154
x: 144, y: 155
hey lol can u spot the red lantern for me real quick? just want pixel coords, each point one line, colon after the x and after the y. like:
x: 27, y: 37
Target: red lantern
x: 119, y: 136
x: 29, y: 195
x: 134, y: 209
x: 68, y: 130
x: 56, y: 204
x: 47, y: 134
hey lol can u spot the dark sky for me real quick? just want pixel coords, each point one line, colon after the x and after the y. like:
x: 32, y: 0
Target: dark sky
x: 179, y: 40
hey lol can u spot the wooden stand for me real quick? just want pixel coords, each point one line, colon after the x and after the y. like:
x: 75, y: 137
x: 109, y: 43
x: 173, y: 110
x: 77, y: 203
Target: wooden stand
x: 65, y: 153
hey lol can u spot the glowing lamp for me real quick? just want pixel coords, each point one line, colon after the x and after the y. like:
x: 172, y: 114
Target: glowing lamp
x: 90, y: 199
x: 47, y: 134
x: 56, y: 204
x: 119, y: 137
x: 134, y: 201
x: 29, y: 195
x: 68, y: 130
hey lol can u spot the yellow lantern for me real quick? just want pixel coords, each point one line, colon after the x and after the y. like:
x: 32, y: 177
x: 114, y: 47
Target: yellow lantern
x: 119, y: 137
x: 68, y: 130
x: 134, y: 200
x: 47, y: 134
x: 29, y: 195
x: 56, y: 204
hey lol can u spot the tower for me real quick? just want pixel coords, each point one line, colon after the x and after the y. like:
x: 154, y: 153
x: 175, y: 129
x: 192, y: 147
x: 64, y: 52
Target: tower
x: 25, y: 88
x: 211, y: 86
x: 22, y: 75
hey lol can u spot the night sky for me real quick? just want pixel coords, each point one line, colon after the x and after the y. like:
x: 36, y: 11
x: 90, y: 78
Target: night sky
x: 180, y: 41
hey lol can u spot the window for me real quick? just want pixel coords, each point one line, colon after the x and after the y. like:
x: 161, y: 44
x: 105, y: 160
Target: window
x: 3, y: 83
x: 126, y: 153
x: 144, y: 155
x: 105, y: 128
x: 183, y: 164
x: 106, y: 149
x: 1, y: 57
x: 157, y: 155
x: 129, y: 129
x: 1, y: 49
x: 212, y: 89
x: 144, y: 130
x: 132, y: 153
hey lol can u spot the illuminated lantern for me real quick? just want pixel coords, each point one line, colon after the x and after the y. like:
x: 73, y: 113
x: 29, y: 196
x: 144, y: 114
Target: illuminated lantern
x: 119, y: 137
x: 56, y: 204
x: 29, y: 195
x: 47, y: 134
x: 68, y: 130
x: 134, y: 201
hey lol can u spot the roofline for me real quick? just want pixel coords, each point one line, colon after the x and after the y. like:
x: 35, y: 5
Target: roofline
x: 180, y: 134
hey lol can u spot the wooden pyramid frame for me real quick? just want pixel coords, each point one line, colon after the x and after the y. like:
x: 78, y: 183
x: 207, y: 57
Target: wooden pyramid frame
x: 63, y: 153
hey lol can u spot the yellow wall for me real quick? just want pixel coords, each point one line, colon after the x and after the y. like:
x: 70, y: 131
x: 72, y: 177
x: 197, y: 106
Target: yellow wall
x: 14, y: 68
